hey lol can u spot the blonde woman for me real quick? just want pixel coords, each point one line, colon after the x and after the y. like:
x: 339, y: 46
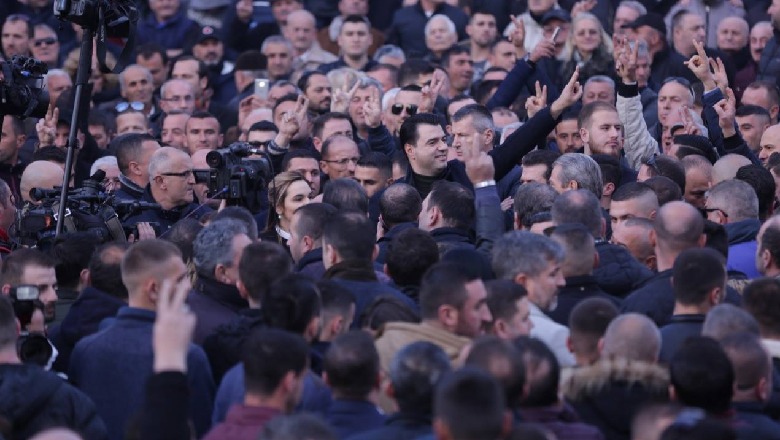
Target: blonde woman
x: 588, y: 47
x: 287, y: 192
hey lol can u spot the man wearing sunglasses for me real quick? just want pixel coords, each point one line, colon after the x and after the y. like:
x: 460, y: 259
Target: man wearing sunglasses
x: 45, y: 45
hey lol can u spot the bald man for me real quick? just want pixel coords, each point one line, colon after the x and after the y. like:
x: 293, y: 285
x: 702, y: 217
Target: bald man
x: 634, y: 235
x: 727, y: 166
x: 733, y: 35
x: 678, y: 226
x: 301, y: 31
x: 770, y: 143
x: 40, y: 174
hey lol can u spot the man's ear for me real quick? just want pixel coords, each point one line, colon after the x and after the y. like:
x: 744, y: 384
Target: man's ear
x: 521, y: 279
x: 569, y: 345
x: 308, y: 243
x: 84, y: 278
x: 409, y: 149
x: 435, y: 216
x: 584, y: 135
x: 653, y: 238
x: 702, y: 240
x: 6, y: 289
x: 448, y: 316
x: 609, y: 188
x: 518, y: 225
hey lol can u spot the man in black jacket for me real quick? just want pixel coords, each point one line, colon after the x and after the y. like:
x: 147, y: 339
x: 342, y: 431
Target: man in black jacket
x: 133, y: 153
x: 34, y: 399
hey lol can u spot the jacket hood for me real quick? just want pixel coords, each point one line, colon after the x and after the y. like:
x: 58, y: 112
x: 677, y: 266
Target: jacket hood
x: 26, y: 389
x: 589, y: 381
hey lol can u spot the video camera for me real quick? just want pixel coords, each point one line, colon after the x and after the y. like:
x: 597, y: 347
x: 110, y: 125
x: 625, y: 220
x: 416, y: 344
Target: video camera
x: 236, y: 176
x: 117, y: 14
x: 21, y: 90
x: 32, y: 347
x: 88, y: 209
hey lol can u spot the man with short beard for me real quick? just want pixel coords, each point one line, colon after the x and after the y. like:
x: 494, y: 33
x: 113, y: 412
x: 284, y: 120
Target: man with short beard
x: 208, y: 47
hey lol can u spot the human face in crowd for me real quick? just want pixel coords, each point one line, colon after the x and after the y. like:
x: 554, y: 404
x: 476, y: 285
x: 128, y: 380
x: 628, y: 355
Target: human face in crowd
x: 276, y: 92
x: 131, y: 122
x: 439, y: 37
x: 642, y: 70
x: 45, y: 279
x: 203, y: 134
x: 57, y: 85
x: 384, y: 77
x: 45, y: 46
x: 360, y: 97
x: 310, y: 169
x: 567, y: 136
x: 715, y: 212
x: 428, y: 156
x: 342, y: 158
x: 337, y: 127
x: 370, y: 179
x: 260, y: 139
x: 503, y: 55
x: 598, y: 91
x: 319, y: 93
x: 752, y: 128
x: 543, y: 287
x: 671, y: 98
x: 637, y: 241
x: 406, y: 99
x: 460, y: 71
x: 696, y: 186
x: 156, y: 67
x: 61, y: 135
x: 173, y: 133
x: 474, y: 316
x: 534, y: 173
x: 300, y: 31
x: 180, y: 189
x: 623, y: 16
x: 482, y: 29
x: 539, y: 7
x: 298, y: 194
x: 759, y: 97
x: 587, y: 35
x: 691, y: 29
x: 280, y: 60
x: 187, y: 70
x: 111, y: 182
x: 210, y: 51
x: 464, y: 134
x: 503, y: 118
x: 563, y: 35
x: 732, y: 34
x: 520, y: 323
x: 15, y: 38
x: 605, y: 134
x: 282, y: 8
x: 354, y: 40
x: 178, y: 96
x: 774, y: 13
x: 353, y: 7
x: 621, y: 211
x: 8, y: 213
x: 101, y: 136
x: 453, y: 107
x: 164, y: 9
x: 10, y: 142
x: 138, y: 85
x: 770, y: 143
x: 759, y: 36
x: 556, y: 182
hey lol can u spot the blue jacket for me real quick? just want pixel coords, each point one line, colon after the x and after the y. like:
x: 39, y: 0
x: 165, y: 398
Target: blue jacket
x: 742, y: 247
x: 619, y: 273
x: 165, y: 219
x: 408, y: 28
x: 521, y: 75
x: 674, y: 334
x: 397, y: 426
x: 350, y: 417
x: 113, y: 365
x: 311, y: 264
x: 214, y: 304
x: 172, y: 34
x: 316, y: 396
x: 384, y: 242
x: 365, y: 292
x: 754, y: 423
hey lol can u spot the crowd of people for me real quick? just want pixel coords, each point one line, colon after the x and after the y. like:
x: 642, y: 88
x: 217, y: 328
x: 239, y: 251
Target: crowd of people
x: 465, y: 219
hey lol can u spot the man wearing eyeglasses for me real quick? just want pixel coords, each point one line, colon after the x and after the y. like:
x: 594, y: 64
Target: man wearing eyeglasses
x: 340, y: 155
x: 171, y: 185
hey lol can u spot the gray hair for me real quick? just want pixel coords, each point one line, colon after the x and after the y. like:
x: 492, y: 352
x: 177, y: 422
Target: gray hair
x: 635, y: 5
x: 389, y: 50
x: 122, y: 74
x: 171, y: 81
x: 727, y: 319
x: 581, y: 169
x: 736, y: 198
x: 481, y: 118
x: 531, y: 198
x: 103, y: 161
x: 389, y: 98
x: 450, y: 23
x: 345, y: 76
x: 601, y: 79
x: 160, y: 158
x: 508, y: 130
x: 276, y: 39
x: 214, y: 245
x: 633, y: 337
x: 367, y: 82
x: 54, y: 72
x: 522, y: 252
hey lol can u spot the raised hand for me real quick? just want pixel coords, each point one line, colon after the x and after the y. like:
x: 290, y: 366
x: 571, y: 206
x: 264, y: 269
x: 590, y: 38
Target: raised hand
x: 479, y: 165
x: 536, y: 102
x: 372, y: 109
x: 46, y: 127
x: 727, y: 109
x: 699, y: 64
x: 569, y: 96
x: 582, y: 6
x: 517, y: 37
x: 173, y: 327
x: 719, y: 74
x: 689, y: 127
x: 543, y: 49
x: 625, y: 60
x: 431, y: 92
x: 246, y: 105
x: 291, y: 122
x: 342, y: 97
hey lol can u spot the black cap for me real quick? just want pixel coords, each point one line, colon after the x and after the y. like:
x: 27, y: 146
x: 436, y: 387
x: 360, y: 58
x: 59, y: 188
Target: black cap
x: 556, y: 14
x: 700, y: 143
x: 251, y: 60
x: 206, y: 33
x: 655, y: 21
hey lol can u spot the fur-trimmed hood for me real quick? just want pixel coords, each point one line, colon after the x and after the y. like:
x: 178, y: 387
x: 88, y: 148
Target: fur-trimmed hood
x: 608, y: 393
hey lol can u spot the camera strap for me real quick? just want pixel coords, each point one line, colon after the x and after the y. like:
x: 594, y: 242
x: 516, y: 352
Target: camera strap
x: 116, y: 229
x: 68, y: 223
x: 125, y: 57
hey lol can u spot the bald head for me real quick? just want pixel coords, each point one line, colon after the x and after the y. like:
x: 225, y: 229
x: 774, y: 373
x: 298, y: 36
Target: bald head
x: 199, y: 160
x: 633, y: 337
x: 727, y: 166
x: 678, y: 226
x: 40, y: 174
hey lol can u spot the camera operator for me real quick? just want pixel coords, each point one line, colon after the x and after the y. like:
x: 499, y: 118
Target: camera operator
x: 133, y: 152
x: 7, y: 217
x: 171, y: 185
x: 11, y: 141
x: 40, y: 174
x: 24, y: 387
x: 31, y: 267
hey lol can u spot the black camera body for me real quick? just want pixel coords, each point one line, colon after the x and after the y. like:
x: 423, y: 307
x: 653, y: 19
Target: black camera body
x: 238, y: 174
x: 21, y: 91
x: 118, y: 15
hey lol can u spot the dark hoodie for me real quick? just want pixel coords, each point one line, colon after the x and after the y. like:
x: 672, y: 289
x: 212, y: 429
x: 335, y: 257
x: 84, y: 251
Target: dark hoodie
x: 609, y: 393
x: 34, y: 400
